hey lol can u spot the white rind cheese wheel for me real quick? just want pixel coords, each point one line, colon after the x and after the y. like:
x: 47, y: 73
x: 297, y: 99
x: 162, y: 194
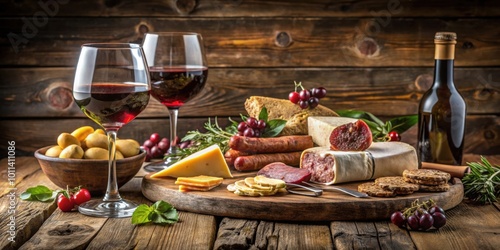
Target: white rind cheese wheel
x: 320, y: 128
x: 208, y: 161
x: 380, y: 159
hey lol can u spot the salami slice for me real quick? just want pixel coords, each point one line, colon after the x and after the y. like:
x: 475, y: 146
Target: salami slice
x: 288, y: 174
x: 354, y: 136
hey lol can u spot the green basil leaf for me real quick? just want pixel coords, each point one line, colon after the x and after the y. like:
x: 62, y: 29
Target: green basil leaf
x: 169, y: 217
x: 366, y: 116
x: 38, y: 193
x: 274, y: 127
x: 263, y: 114
x: 141, y: 214
x: 403, y: 123
x: 162, y: 206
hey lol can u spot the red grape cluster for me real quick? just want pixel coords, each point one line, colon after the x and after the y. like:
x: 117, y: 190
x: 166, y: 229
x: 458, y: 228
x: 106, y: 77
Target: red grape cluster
x: 306, y: 98
x: 155, y: 146
x: 251, y: 127
x: 420, y: 217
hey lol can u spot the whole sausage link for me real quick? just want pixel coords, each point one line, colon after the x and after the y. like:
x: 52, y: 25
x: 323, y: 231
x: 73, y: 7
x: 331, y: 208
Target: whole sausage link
x: 291, y: 143
x: 258, y: 161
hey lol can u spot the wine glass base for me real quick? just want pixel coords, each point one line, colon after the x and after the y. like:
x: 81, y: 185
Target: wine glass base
x: 109, y: 209
x: 159, y: 166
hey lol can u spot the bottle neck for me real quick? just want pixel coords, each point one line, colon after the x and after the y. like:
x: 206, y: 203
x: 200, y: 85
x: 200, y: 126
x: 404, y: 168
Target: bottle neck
x: 443, y: 73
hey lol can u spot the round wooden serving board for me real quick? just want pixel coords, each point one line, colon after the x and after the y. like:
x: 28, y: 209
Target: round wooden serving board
x: 332, y: 205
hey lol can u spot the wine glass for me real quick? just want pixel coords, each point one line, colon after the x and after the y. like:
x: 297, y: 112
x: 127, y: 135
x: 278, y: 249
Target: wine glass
x: 111, y: 87
x: 178, y: 70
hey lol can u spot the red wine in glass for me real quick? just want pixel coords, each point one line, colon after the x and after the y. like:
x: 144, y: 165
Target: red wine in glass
x: 175, y: 85
x: 113, y: 104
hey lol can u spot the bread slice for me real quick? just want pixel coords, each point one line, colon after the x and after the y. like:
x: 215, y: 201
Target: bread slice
x: 284, y: 109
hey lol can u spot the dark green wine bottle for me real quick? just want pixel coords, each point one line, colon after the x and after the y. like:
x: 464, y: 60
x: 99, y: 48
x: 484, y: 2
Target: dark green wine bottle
x: 442, y: 110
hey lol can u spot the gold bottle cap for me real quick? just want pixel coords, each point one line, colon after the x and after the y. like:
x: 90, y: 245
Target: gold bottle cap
x: 446, y: 36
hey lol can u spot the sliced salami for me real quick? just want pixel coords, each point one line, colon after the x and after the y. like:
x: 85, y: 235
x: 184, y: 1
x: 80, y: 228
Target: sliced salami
x: 288, y: 174
x: 355, y: 136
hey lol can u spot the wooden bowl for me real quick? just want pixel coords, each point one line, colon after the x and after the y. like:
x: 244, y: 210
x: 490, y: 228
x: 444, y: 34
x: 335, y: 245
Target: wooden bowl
x: 90, y: 174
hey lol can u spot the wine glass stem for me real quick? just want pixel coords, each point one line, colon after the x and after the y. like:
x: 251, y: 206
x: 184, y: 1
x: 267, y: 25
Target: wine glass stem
x: 112, y: 193
x: 173, y: 112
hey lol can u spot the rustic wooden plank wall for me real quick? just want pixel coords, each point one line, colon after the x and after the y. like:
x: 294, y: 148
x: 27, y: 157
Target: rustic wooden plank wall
x: 373, y: 55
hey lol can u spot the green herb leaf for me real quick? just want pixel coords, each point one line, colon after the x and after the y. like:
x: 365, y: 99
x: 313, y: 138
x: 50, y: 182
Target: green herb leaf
x: 403, y: 123
x: 160, y: 212
x: 274, y: 127
x: 263, y: 114
x: 38, y: 193
x: 141, y: 214
x: 482, y: 184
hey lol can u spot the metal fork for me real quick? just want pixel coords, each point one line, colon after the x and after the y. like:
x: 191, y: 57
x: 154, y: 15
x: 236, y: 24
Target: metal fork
x: 341, y: 189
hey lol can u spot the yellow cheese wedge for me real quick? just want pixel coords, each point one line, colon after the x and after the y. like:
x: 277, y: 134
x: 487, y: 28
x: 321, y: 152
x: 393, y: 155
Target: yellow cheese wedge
x: 209, y: 161
x: 199, y: 181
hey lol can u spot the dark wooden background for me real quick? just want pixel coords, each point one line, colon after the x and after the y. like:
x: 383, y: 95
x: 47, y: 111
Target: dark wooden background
x: 373, y: 55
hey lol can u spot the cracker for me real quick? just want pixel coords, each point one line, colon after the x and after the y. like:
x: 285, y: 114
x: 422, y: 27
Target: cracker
x: 424, y: 182
x: 396, y: 184
x: 427, y: 175
x: 435, y: 188
x: 375, y: 190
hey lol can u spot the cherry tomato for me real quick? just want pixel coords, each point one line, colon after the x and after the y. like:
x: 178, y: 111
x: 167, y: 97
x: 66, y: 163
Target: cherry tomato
x: 81, y: 196
x: 394, y: 136
x: 64, y: 203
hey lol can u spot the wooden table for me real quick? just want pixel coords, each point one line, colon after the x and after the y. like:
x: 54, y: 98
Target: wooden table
x: 41, y: 226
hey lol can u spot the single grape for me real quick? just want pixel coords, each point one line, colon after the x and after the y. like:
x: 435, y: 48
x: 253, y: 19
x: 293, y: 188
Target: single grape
x: 304, y: 95
x: 249, y: 132
x: 252, y: 122
x: 426, y: 221
x: 163, y: 146
x: 413, y: 222
x: 394, y: 136
x: 398, y: 219
x: 148, y: 144
x: 434, y: 209
x: 439, y: 219
x: 303, y: 104
x: 294, y: 97
x: 261, y: 125
x: 419, y: 212
x: 155, y: 138
x: 313, y: 102
x: 318, y: 92
x: 156, y: 152
x: 164, y: 139
x: 242, y: 126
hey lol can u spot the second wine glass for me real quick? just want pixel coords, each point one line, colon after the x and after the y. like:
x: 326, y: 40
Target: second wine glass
x: 178, y: 70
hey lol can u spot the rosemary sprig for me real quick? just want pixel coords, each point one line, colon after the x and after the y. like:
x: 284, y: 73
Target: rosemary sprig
x: 482, y: 184
x: 215, y: 135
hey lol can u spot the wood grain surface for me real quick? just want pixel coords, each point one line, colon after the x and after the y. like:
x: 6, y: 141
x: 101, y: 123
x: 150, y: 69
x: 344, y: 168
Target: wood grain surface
x: 331, y: 205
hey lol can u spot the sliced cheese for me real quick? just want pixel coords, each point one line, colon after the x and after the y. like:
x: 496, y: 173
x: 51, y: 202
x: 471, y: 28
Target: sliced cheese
x: 320, y: 128
x: 380, y: 159
x: 209, y: 161
x: 199, y: 181
x: 187, y: 188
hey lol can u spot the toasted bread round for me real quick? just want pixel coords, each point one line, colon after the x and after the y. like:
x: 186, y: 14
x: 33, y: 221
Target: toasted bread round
x: 435, y: 188
x: 396, y: 184
x: 427, y: 175
x: 375, y: 190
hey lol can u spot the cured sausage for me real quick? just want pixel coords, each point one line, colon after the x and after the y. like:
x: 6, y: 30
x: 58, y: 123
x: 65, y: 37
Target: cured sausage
x: 281, y: 144
x: 289, y: 174
x: 258, y: 161
x: 355, y: 136
x: 232, y: 154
